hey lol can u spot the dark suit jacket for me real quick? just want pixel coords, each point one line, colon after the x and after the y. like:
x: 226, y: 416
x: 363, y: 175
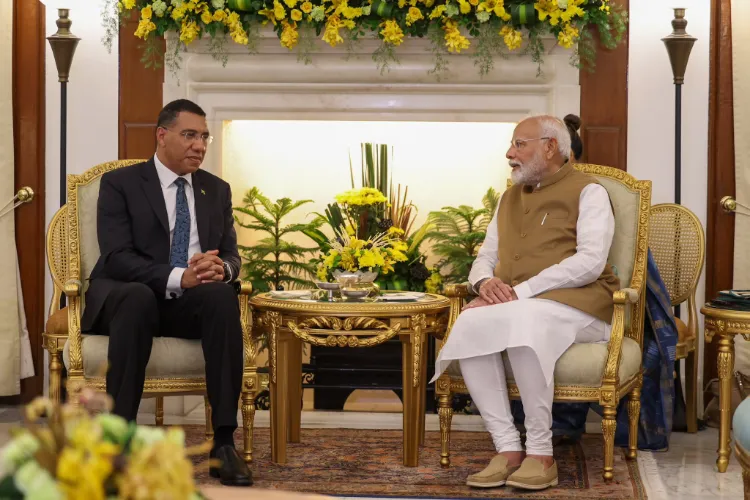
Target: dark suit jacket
x: 133, y: 231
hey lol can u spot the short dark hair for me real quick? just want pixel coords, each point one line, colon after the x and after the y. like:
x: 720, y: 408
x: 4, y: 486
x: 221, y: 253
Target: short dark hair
x: 168, y: 114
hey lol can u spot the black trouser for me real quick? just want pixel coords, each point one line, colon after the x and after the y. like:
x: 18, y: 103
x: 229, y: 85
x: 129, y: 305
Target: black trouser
x: 132, y: 316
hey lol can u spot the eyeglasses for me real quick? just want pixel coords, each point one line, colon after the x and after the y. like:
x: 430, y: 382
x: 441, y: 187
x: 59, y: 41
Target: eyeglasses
x: 521, y: 143
x: 192, y: 136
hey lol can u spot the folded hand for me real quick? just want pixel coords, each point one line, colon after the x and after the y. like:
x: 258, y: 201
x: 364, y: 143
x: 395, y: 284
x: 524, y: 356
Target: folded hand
x: 208, y: 266
x: 495, y: 291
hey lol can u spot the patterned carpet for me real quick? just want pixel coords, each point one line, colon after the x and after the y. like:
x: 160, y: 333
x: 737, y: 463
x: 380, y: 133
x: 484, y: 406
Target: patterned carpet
x: 349, y: 462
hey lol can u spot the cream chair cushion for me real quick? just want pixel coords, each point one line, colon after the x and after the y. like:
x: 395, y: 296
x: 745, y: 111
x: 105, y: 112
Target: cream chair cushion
x: 170, y: 357
x: 582, y: 365
x: 88, y: 196
x: 625, y: 203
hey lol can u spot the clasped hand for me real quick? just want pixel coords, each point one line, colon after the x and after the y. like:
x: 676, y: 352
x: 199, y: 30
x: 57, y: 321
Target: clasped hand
x: 493, y: 291
x: 203, y: 268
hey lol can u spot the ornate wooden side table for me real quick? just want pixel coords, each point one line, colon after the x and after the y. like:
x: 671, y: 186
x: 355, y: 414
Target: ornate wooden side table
x: 725, y: 324
x: 290, y: 322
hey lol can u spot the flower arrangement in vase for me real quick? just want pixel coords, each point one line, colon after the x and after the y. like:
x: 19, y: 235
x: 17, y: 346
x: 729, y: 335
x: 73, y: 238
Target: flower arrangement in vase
x: 78, y: 455
x: 382, y: 217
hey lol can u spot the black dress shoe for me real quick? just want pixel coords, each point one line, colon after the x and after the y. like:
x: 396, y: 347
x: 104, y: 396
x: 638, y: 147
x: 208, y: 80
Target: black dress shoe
x: 233, y: 470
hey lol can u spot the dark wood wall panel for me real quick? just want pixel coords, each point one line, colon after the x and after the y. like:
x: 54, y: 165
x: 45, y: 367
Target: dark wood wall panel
x: 28, y: 144
x: 604, y: 105
x: 140, y: 97
x: 721, y: 181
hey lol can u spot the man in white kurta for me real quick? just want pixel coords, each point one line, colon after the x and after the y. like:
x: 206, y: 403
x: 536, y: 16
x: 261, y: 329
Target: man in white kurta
x: 543, y: 283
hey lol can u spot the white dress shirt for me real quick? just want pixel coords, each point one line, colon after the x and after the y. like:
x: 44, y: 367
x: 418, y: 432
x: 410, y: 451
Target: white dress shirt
x: 169, y: 189
x: 595, y: 229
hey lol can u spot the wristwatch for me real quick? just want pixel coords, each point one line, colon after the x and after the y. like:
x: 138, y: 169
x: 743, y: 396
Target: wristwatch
x: 227, y: 272
x: 478, y: 285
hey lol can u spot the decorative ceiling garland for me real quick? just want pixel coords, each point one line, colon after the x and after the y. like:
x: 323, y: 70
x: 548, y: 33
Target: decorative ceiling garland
x: 493, y: 28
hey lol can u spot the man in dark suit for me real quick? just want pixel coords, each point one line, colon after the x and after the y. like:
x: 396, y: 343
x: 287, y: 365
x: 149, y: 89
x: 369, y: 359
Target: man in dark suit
x: 168, y: 257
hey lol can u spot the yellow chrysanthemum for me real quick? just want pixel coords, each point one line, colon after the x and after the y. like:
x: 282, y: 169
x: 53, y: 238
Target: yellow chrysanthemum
x: 296, y: 15
x: 146, y: 12
x: 367, y: 259
x: 347, y: 262
x: 220, y: 16
x: 206, y: 17
x: 512, y: 38
x: 306, y: 7
x: 454, y: 40
x: 395, y: 231
x: 392, y: 33
x: 413, y: 15
x: 128, y: 4
x: 464, y: 6
x: 145, y: 27
x: 568, y: 36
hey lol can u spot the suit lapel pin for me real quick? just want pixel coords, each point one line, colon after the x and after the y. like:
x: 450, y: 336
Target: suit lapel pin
x: 203, y: 192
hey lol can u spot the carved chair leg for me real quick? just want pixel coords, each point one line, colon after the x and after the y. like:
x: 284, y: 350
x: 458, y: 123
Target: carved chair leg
x: 248, y: 422
x: 634, y: 413
x: 55, y: 375
x: 445, y: 412
x: 209, y: 424
x: 609, y: 424
x: 691, y: 390
x: 160, y: 411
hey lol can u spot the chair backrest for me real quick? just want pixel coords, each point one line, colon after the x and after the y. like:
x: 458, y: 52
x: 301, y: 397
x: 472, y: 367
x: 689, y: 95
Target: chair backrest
x: 57, y: 255
x: 678, y: 245
x: 83, y: 194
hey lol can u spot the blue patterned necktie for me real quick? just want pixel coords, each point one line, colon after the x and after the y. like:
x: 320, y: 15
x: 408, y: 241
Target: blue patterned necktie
x: 178, y: 256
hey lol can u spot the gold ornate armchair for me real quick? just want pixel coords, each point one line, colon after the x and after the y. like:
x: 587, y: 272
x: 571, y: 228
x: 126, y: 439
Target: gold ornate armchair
x: 597, y: 373
x: 176, y: 366
x: 678, y: 245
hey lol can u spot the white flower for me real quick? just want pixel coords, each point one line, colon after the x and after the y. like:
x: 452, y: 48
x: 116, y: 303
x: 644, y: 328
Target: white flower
x: 17, y: 452
x: 159, y: 8
x: 483, y: 16
x: 318, y: 13
x: 563, y: 4
x: 177, y: 3
x: 451, y: 9
x: 217, y: 4
x: 35, y: 482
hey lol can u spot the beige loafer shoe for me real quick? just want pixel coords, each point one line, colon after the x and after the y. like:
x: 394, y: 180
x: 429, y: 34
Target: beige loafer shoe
x: 533, y: 476
x: 493, y: 475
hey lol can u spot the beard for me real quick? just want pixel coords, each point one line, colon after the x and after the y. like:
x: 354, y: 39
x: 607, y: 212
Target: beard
x: 529, y: 173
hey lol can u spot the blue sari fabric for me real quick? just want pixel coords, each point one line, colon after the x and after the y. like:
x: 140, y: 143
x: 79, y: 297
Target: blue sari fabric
x: 657, y: 395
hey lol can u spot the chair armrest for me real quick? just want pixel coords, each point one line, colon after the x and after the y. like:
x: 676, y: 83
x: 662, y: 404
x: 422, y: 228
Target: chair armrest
x: 243, y: 287
x: 457, y: 291
x: 626, y: 295
x: 623, y: 299
x: 73, y: 291
x: 73, y: 288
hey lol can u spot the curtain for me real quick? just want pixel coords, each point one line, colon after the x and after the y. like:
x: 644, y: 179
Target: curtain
x: 15, y: 349
x: 741, y: 90
x: 10, y: 340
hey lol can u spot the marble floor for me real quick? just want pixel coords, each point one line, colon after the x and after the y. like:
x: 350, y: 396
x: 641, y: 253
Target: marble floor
x: 686, y: 472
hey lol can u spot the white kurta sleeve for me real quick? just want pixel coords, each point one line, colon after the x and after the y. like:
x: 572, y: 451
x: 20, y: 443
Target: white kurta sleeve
x: 595, y: 229
x: 484, y: 265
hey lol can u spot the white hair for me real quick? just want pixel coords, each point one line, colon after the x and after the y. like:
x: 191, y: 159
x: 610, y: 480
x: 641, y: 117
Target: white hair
x: 554, y: 128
